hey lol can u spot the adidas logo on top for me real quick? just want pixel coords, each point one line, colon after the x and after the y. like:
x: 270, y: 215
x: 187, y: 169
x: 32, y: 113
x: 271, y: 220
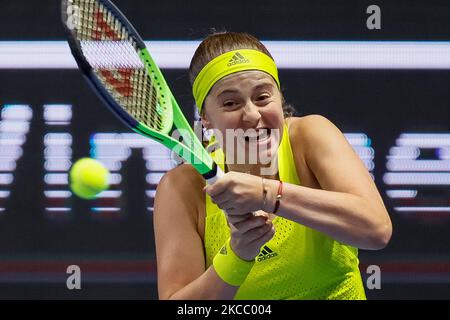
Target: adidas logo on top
x: 266, y: 254
x: 237, y: 59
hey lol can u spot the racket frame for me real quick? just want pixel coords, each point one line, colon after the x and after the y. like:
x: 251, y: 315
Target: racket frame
x: 197, y: 155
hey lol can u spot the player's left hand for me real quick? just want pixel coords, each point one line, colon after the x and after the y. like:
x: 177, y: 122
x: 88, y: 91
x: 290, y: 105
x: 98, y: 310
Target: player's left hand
x: 237, y: 193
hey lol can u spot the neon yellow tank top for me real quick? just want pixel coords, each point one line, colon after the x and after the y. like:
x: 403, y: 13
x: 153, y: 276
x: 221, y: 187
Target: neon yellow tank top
x: 298, y: 262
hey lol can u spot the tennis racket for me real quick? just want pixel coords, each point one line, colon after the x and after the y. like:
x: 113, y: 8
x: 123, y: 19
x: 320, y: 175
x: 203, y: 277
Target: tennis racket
x: 115, y: 61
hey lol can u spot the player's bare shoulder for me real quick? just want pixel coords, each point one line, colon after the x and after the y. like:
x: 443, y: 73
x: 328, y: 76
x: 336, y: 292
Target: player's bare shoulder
x: 306, y: 123
x: 179, y: 191
x: 183, y: 179
x: 303, y: 131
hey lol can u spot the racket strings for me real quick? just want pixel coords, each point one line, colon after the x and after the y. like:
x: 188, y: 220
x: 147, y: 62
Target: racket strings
x: 113, y: 55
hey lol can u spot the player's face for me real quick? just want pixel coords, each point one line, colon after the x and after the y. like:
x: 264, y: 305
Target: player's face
x: 247, y: 104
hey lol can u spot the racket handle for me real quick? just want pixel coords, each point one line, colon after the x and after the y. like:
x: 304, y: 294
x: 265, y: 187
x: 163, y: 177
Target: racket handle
x: 214, y: 175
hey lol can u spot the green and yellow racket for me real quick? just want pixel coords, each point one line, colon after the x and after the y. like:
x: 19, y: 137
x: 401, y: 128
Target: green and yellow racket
x: 115, y: 61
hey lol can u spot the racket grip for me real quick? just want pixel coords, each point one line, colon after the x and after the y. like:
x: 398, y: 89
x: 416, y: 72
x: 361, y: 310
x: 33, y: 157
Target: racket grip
x: 214, y: 177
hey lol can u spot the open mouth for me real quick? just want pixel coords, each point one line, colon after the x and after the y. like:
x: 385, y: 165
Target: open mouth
x: 257, y: 135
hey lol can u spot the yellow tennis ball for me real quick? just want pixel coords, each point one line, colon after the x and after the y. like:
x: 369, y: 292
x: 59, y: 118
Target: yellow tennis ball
x: 88, y: 177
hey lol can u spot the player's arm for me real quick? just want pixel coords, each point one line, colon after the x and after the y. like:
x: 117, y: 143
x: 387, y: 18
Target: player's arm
x: 179, y: 247
x: 349, y: 208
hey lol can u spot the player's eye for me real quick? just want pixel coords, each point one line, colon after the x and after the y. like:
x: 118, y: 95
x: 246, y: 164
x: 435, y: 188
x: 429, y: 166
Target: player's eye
x: 230, y: 104
x: 263, y: 98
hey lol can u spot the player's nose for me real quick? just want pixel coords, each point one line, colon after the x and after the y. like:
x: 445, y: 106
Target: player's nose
x: 251, y: 113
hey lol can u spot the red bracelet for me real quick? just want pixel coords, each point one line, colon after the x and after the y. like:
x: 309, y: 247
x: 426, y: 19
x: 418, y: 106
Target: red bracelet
x: 279, y: 196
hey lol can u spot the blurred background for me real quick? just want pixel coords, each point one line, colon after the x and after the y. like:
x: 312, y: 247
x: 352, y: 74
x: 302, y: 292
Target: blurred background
x: 386, y: 89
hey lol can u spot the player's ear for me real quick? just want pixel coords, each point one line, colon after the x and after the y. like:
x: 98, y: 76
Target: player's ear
x: 205, y: 122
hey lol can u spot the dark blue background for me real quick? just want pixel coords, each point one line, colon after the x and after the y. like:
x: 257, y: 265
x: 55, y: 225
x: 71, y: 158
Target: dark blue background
x: 380, y: 103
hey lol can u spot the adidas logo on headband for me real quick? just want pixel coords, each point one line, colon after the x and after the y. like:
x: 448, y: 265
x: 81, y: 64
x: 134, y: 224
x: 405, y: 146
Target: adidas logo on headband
x: 237, y: 59
x: 228, y: 63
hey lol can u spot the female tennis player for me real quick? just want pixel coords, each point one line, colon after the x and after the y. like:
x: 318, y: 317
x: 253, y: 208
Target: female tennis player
x: 284, y: 228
